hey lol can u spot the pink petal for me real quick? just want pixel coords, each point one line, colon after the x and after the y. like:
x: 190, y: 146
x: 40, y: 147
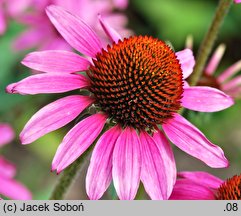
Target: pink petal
x: 17, y: 7
x: 7, y: 169
x: 127, y: 164
x: 122, y: 4
x: 215, y: 59
x: 29, y: 39
x: 6, y: 134
x: 188, y: 190
x: 110, y: 32
x: 56, y: 61
x: 76, y: 32
x: 229, y: 72
x: 53, y: 116
x: 77, y: 140
x: 99, y: 172
x: 167, y: 155
x: 55, y: 43
x: 13, y: 189
x: 188, y: 138
x: 2, y: 22
x: 48, y: 83
x: 237, y: 1
x: 204, y: 178
x: 153, y: 173
x: 232, y: 84
x: 205, y: 99
x: 234, y: 92
x: 187, y: 61
x: 34, y: 19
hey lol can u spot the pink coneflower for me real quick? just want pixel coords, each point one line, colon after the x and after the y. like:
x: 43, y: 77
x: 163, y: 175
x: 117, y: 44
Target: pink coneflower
x: 7, y: 134
x: 237, y: 1
x: 8, y: 186
x: 134, y: 84
x: 11, y: 9
x: 204, y: 186
x: 41, y: 33
x: 225, y: 80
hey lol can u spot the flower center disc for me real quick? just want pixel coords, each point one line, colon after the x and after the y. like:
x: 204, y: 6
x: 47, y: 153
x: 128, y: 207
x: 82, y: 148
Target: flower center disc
x: 137, y: 82
x: 230, y: 190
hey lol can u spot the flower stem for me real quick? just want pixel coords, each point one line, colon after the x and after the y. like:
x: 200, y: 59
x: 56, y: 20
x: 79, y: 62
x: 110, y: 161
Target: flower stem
x: 68, y: 177
x: 209, y: 39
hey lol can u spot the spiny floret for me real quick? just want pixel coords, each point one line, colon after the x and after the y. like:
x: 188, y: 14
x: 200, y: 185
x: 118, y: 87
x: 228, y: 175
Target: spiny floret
x: 230, y: 190
x: 137, y: 82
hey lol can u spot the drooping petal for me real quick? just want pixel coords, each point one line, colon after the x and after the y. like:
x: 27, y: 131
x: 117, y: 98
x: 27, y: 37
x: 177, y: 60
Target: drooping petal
x: 56, y: 61
x: 153, y: 173
x: 229, y: 72
x: 232, y: 84
x: 6, y: 134
x: 13, y: 189
x: 7, y: 169
x: 127, y: 164
x: 76, y: 32
x: 167, y: 155
x: 110, y: 32
x: 204, y: 178
x: 215, y: 59
x: 99, y: 175
x: 186, y: 189
x: 187, y: 61
x: 48, y: 83
x: 77, y: 140
x: 205, y: 99
x: 191, y: 140
x: 234, y: 92
x: 53, y: 116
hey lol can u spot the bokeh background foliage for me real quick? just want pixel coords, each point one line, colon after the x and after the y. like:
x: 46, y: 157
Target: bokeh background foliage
x: 168, y: 20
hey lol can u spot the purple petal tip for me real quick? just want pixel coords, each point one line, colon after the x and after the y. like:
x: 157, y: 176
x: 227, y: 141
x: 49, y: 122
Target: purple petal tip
x: 11, y: 88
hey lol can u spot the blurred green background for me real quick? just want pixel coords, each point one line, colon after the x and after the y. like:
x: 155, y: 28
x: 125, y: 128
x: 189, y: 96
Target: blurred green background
x: 171, y: 21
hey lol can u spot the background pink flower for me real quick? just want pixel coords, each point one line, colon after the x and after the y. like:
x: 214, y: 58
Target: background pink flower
x: 204, y: 186
x: 237, y: 1
x: 41, y: 33
x: 7, y: 134
x: 226, y: 80
x: 131, y: 150
x: 11, y: 9
x: 8, y: 186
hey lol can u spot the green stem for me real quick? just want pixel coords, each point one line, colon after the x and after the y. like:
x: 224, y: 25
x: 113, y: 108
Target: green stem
x: 209, y: 39
x: 68, y: 177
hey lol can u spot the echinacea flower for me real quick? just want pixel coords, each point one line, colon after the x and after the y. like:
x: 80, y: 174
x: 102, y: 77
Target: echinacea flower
x: 8, y: 186
x: 41, y: 34
x: 204, y: 186
x: 226, y: 81
x: 136, y: 85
